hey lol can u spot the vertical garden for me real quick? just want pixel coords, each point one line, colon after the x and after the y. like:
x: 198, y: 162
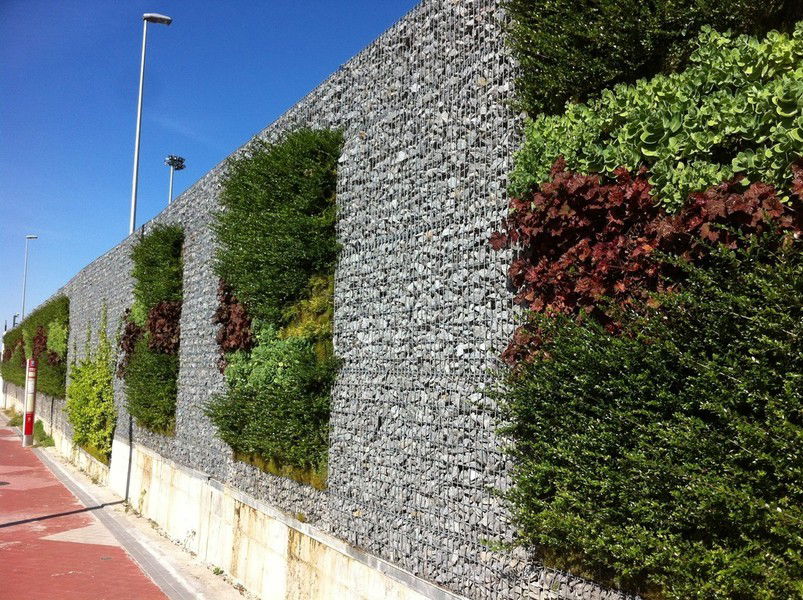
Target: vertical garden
x: 654, y: 392
x: 42, y: 336
x: 276, y: 259
x: 150, y: 337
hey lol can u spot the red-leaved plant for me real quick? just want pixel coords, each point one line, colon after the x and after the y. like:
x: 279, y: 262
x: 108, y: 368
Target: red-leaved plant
x: 10, y: 350
x: 128, y: 340
x: 235, y: 324
x: 579, y: 239
x: 40, y: 348
x: 39, y: 342
x: 163, y: 325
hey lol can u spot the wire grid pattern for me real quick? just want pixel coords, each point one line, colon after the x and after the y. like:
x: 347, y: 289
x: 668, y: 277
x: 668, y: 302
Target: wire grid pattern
x: 421, y: 304
x: 421, y: 310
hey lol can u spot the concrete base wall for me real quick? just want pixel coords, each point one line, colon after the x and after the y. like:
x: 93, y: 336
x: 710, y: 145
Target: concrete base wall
x: 96, y: 470
x: 273, y: 555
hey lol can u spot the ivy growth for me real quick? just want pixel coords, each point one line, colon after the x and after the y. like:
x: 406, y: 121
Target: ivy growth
x: 738, y: 108
x: 157, y: 270
x: 90, y: 396
x: 277, y: 404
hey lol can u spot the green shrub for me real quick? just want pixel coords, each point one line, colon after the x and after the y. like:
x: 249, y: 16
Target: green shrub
x: 27, y: 342
x: 570, y: 50
x: 150, y: 338
x: 151, y: 388
x: 13, y: 365
x: 668, y: 460
x: 90, y: 395
x: 737, y: 108
x: 157, y: 270
x: 57, y: 337
x: 277, y: 401
x: 311, y: 317
x: 276, y: 255
x: 40, y: 437
x: 31, y: 339
x: 277, y: 227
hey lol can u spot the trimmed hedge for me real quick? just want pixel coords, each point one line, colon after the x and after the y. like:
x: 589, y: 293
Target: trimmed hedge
x: 277, y: 227
x: 151, y: 387
x: 41, y: 335
x: 569, y: 50
x: 668, y: 460
x: 90, y: 396
x: 276, y: 258
x: 157, y: 271
x: 738, y: 108
x: 150, y: 338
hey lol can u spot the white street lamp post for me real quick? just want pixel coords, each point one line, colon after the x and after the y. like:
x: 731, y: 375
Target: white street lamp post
x: 25, y: 271
x: 146, y: 18
x: 176, y: 163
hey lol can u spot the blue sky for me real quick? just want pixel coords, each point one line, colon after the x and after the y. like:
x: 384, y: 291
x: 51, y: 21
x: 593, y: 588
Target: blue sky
x: 69, y: 73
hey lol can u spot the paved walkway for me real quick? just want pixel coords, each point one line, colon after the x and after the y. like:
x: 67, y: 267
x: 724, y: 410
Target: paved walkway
x: 51, y: 545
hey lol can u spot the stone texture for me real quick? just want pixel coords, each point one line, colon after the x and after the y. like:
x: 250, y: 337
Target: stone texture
x: 422, y: 309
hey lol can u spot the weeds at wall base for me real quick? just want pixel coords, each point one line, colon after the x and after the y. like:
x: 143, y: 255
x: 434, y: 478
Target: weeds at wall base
x: 40, y: 437
x: 96, y: 454
x: 15, y: 419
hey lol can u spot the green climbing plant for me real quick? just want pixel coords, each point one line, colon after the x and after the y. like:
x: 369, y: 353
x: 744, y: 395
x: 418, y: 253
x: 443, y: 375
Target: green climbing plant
x: 90, y: 395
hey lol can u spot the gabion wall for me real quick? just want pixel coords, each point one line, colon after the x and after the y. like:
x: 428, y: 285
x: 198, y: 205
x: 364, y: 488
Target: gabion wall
x: 421, y: 309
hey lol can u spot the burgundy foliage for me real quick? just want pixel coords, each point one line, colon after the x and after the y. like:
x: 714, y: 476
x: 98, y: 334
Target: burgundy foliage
x: 128, y: 341
x: 39, y: 342
x: 9, y: 351
x: 164, y: 326
x: 797, y: 181
x: 580, y: 239
x: 235, y: 325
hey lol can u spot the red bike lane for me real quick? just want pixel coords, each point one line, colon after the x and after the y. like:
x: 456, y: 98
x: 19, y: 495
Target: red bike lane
x: 51, y: 545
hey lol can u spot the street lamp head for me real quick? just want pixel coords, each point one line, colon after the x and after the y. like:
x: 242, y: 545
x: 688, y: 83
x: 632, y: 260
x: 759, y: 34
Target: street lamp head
x: 157, y: 18
x: 31, y: 237
x: 177, y: 162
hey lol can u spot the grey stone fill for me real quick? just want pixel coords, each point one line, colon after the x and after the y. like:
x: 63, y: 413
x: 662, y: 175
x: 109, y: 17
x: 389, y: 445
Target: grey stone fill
x: 421, y: 310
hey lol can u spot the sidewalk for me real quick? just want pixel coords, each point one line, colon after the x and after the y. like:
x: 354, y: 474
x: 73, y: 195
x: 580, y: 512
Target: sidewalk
x: 51, y: 545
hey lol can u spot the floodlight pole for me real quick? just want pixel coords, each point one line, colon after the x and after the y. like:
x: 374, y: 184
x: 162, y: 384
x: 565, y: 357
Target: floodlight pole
x: 146, y: 18
x: 25, y: 272
x: 176, y: 163
x: 170, y: 191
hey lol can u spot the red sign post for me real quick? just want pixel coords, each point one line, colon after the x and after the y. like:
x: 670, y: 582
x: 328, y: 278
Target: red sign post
x: 30, y: 403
